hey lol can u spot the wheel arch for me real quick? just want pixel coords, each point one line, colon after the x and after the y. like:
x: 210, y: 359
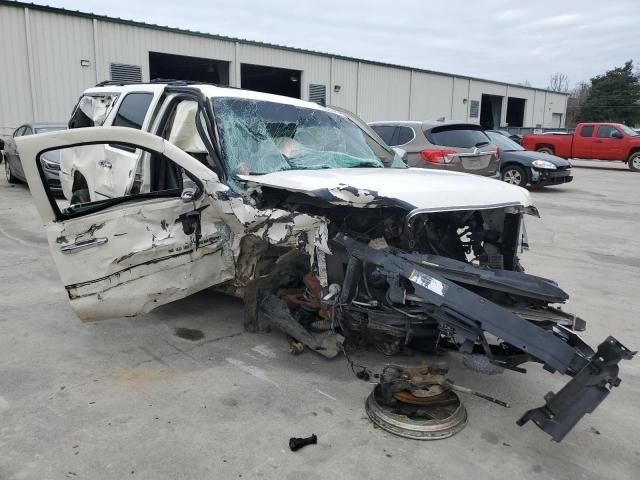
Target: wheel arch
x: 508, y: 163
x: 632, y: 151
x: 546, y: 145
x: 79, y: 181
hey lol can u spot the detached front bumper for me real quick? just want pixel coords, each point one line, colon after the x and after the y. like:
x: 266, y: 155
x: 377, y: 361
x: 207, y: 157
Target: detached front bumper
x: 541, y: 177
x: 442, y: 288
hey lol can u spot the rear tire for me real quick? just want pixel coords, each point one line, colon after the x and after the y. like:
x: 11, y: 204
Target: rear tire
x: 514, y: 175
x: 545, y: 150
x: 11, y: 178
x: 80, y: 196
x: 634, y: 162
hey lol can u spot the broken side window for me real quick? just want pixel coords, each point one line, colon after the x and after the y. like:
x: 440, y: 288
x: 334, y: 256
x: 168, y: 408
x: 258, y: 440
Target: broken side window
x: 92, y: 111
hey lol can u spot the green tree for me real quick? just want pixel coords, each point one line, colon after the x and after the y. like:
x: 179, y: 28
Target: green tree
x: 575, y: 102
x: 613, y: 97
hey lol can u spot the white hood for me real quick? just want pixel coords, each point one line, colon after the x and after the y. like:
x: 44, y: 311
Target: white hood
x: 414, y: 188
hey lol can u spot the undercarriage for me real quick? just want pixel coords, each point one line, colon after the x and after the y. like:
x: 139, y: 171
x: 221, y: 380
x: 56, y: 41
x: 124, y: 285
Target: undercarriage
x: 430, y: 282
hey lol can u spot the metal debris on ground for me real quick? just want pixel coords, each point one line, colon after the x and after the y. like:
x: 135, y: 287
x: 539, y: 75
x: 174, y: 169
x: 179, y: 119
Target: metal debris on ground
x: 419, y: 402
x: 297, y: 443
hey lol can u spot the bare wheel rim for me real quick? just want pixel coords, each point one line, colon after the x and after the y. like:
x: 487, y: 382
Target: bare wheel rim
x: 635, y: 161
x: 513, y: 177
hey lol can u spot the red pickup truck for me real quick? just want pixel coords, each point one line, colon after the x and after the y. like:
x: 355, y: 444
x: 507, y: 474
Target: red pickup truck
x: 602, y: 141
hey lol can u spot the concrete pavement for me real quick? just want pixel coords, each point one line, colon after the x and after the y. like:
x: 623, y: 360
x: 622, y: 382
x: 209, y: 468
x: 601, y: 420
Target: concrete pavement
x: 133, y: 398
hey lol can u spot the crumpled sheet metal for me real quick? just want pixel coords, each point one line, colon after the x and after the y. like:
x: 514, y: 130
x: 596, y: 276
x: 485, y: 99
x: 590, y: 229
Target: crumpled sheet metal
x: 276, y: 226
x: 157, y: 264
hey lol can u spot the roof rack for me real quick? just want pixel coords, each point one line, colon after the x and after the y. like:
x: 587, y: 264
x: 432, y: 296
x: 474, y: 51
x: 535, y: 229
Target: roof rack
x: 166, y: 81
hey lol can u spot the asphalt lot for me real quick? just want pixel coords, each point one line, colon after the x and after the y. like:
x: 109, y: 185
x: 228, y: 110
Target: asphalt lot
x: 130, y: 398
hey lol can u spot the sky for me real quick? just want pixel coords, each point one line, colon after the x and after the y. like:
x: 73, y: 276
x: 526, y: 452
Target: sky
x: 510, y: 41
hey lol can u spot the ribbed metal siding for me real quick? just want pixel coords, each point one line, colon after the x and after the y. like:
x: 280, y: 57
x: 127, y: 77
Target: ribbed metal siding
x: 383, y: 93
x: 430, y: 96
x: 15, y: 93
x: 131, y: 46
x: 345, y: 74
x: 59, y: 43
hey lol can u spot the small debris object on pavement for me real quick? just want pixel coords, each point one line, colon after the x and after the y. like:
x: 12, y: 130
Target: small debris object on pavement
x: 297, y: 443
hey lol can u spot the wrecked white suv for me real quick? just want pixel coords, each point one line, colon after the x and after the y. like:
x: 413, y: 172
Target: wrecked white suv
x: 303, y: 212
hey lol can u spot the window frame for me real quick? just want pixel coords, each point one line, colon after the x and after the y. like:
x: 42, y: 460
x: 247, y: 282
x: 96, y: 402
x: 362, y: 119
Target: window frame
x: 110, y: 202
x: 611, y: 127
x: 593, y: 129
x: 121, y: 101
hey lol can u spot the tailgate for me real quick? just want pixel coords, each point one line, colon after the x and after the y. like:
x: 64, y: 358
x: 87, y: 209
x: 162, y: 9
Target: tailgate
x: 473, y: 161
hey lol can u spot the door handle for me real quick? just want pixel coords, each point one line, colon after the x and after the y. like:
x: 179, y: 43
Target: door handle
x: 597, y: 141
x: 105, y: 164
x: 82, y: 245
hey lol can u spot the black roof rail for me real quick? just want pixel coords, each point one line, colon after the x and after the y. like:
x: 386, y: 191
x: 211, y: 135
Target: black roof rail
x: 183, y: 83
x: 107, y: 83
x: 167, y: 81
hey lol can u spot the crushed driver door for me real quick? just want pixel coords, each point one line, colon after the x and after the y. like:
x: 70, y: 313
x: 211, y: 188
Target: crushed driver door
x: 127, y: 255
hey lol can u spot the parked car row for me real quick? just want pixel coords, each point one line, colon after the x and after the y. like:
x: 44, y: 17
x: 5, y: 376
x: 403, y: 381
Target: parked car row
x: 466, y: 147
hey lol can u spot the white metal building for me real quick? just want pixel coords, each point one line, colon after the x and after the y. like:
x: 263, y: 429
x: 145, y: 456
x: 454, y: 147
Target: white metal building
x: 48, y: 56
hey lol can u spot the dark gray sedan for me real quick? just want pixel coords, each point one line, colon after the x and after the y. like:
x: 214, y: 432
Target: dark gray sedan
x: 522, y: 167
x: 50, y: 160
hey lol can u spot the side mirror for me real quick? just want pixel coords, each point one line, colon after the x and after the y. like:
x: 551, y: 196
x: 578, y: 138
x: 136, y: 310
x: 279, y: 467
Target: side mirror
x: 1, y: 144
x: 617, y: 134
x: 188, y: 194
x: 189, y: 190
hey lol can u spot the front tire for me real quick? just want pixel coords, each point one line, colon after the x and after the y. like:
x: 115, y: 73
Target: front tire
x: 11, y: 178
x: 545, y: 150
x: 634, y: 162
x: 514, y: 175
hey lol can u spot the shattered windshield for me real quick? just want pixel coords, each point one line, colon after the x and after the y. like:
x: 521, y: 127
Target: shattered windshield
x: 260, y: 137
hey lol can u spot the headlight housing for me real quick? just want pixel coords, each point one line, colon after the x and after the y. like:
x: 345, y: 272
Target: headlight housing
x: 49, y: 165
x: 544, y: 165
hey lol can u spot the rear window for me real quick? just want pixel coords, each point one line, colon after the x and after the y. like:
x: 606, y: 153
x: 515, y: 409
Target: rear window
x: 458, y: 136
x: 587, y: 131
